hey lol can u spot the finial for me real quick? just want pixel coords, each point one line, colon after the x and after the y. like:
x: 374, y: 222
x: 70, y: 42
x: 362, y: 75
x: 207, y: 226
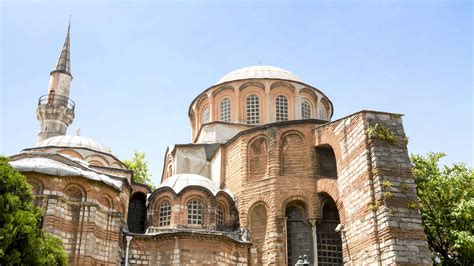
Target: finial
x: 69, y: 24
x: 78, y: 132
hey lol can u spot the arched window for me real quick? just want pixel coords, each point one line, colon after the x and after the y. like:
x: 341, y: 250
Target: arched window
x: 137, y: 213
x: 258, y: 229
x: 306, y: 110
x: 281, y: 108
x: 194, y: 212
x: 329, y: 241
x: 257, y: 157
x: 298, y: 235
x: 322, y: 113
x: 205, y: 115
x: 253, y: 110
x: 220, y: 217
x: 225, y: 110
x: 292, y: 156
x: 327, y: 164
x: 165, y: 214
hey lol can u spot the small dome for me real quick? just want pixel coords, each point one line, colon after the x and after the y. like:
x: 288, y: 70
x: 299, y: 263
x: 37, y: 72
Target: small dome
x: 72, y: 141
x: 180, y: 181
x: 256, y: 72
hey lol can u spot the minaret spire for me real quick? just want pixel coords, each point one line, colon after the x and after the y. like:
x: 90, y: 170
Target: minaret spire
x: 55, y: 110
x: 64, y: 60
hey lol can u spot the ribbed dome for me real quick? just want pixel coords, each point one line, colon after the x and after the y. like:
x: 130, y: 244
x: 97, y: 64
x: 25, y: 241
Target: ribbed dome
x: 254, y: 72
x: 73, y: 141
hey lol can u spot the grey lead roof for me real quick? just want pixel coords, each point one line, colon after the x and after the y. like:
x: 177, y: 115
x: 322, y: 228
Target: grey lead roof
x: 64, y: 60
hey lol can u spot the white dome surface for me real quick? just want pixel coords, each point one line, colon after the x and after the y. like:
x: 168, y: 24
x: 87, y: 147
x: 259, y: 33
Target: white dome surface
x: 72, y: 141
x: 255, y: 72
x: 180, y: 181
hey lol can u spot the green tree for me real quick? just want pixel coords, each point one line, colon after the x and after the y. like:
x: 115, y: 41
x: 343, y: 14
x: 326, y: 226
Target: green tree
x: 446, y: 198
x: 22, y: 241
x: 139, y: 166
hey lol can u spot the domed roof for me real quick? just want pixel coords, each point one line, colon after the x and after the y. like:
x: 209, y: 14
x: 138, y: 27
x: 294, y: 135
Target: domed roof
x: 72, y: 141
x: 180, y: 181
x: 253, y: 72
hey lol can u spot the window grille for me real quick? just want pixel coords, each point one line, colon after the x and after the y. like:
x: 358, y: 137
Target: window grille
x: 225, y: 110
x: 165, y: 214
x: 194, y: 212
x: 253, y: 110
x: 220, y: 220
x: 306, y: 110
x: 281, y: 108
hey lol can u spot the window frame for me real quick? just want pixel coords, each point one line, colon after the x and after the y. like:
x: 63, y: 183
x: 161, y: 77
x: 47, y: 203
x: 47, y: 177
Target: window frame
x: 252, y: 109
x: 281, y: 108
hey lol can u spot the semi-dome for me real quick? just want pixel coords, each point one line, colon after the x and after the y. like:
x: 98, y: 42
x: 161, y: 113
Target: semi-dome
x: 73, y: 141
x: 180, y: 181
x: 263, y: 72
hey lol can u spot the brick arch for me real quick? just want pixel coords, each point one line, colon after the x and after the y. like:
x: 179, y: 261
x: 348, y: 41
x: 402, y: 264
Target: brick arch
x: 75, y: 192
x: 106, y: 201
x: 329, y: 187
x: 37, y: 185
x: 200, y: 100
x: 222, y: 89
x: 251, y: 84
x: 257, y: 199
x: 98, y: 158
x: 257, y: 157
x: 323, y: 139
x: 310, y: 93
x: 293, y: 154
x: 71, y: 152
x: 308, y: 206
x: 282, y: 84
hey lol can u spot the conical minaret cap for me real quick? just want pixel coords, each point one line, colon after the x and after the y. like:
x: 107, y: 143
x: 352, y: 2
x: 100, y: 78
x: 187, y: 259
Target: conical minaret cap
x: 63, y: 64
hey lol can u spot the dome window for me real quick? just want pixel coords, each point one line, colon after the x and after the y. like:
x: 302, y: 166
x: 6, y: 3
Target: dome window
x: 281, y: 108
x: 194, y: 212
x: 205, y: 115
x: 225, y: 110
x: 165, y: 214
x: 306, y: 110
x: 253, y: 110
x: 322, y: 113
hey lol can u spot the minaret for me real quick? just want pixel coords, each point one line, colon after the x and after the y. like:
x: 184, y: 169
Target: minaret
x: 55, y: 110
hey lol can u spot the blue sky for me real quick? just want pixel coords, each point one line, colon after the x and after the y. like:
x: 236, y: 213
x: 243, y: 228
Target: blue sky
x: 137, y: 66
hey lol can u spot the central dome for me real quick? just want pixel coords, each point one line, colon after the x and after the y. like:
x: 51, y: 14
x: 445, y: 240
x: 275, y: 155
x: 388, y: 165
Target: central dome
x: 72, y: 141
x: 259, y: 72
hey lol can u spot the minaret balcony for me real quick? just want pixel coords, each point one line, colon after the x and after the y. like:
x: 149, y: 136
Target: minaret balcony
x: 56, y: 100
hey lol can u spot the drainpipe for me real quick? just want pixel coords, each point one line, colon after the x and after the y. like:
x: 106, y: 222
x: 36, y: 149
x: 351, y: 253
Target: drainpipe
x: 129, y: 238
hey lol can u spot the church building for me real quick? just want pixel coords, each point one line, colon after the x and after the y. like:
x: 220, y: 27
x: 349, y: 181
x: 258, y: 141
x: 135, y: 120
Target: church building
x: 269, y: 178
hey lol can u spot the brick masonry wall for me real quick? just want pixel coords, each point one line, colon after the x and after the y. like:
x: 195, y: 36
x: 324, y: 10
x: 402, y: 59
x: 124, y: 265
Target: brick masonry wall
x: 187, y: 249
x: 376, y: 230
x: 90, y: 227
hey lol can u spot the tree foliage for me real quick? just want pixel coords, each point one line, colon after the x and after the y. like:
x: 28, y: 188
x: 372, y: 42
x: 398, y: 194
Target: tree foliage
x: 446, y: 197
x: 22, y: 241
x: 139, y: 166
